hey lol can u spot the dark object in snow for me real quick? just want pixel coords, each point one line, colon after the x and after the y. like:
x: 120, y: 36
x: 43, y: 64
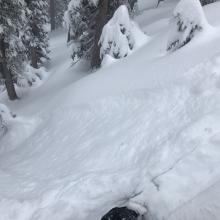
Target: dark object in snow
x: 159, y: 1
x: 121, y: 213
x: 206, y: 2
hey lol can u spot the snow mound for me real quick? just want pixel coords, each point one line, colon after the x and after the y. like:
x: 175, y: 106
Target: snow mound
x: 13, y: 129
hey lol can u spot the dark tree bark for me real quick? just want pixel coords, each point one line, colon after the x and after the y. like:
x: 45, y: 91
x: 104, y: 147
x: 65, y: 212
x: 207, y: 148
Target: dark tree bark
x: 158, y: 2
x: 68, y: 36
x: 52, y: 15
x: 34, y: 57
x: 6, y: 73
x: 100, y: 22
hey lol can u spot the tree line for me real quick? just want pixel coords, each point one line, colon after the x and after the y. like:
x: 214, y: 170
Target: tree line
x: 24, y: 33
x: 85, y: 20
x: 24, y: 38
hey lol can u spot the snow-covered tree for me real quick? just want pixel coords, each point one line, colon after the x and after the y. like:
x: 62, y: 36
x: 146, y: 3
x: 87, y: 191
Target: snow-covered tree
x: 120, y: 35
x: 37, y: 42
x: 80, y: 18
x: 85, y: 19
x: 106, y: 10
x: 57, y: 10
x: 188, y: 19
x: 60, y: 8
x: 12, y: 50
x: 117, y: 39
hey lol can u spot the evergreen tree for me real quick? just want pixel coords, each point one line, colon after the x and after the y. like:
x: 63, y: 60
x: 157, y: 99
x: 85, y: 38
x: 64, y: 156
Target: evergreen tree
x: 38, y: 40
x: 188, y: 20
x: 12, y: 50
x: 117, y: 39
x: 60, y: 8
x: 80, y: 17
x: 57, y: 9
x: 86, y: 19
x: 107, y: 9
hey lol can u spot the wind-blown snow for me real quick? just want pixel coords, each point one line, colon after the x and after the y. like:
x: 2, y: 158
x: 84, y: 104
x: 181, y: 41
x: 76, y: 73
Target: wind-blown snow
x: 143, y: 131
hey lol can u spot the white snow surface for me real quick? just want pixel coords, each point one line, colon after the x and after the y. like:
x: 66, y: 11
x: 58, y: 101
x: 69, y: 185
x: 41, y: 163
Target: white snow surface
x: 143, y: 131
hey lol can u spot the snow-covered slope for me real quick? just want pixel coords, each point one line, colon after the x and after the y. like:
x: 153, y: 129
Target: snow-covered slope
x: 143, y: 130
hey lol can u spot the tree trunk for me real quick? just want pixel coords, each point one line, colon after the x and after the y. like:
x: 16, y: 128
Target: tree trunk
x: 68, y: 36
x: 52, y: 15
x: 6, y: 73
x: 158, y: 2
x: 34, y: 58
x: 100, y: 22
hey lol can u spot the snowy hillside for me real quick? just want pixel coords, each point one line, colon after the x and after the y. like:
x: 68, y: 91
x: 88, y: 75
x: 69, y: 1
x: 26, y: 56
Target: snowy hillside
x: 142, y: 131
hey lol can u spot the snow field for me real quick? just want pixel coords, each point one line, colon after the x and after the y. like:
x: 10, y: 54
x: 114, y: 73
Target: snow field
x: 149, y: 135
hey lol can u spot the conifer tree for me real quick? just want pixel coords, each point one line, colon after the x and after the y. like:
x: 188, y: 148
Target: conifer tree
x: 117, y: 39
x: 86, y: 19
x: 57, y: 9
x: 80, y: 17
x: 38, y: 41
x: 12, y: 50
x: 107, y: 9
x: 60, y: 8
x: 188, y: 20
